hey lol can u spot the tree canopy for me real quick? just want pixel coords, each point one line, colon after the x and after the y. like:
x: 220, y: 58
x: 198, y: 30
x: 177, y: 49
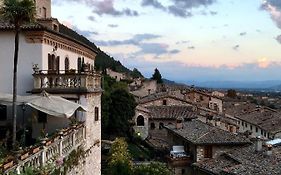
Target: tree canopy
x: 157, y: 76
x: 118, y: 108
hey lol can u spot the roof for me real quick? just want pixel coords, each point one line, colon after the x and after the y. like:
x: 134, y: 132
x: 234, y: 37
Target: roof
x: 200, y: 133
x: 233, y: 109
x: 172, y: 112
x: 267, y: 119
x: 161, y: 95
x: 243, y: 161
x: 63, y: 31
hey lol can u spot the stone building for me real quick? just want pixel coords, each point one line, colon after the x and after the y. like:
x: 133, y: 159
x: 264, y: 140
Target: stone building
x: 205, y: 99
x: 201, y: 141
x: 258, y: 159
x: 143, y: 87
x: 116, y: 75
x: 58, y: 60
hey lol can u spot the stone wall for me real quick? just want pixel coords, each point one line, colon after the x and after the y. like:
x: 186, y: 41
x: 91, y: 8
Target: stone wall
x: 93, y: 134
x: 169, y: 102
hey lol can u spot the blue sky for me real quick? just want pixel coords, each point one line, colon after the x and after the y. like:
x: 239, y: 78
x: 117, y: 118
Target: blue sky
x: 188, y: 40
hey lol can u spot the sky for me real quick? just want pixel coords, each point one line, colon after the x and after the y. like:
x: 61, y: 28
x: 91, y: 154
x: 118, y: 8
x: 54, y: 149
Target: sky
x: 187, y: 40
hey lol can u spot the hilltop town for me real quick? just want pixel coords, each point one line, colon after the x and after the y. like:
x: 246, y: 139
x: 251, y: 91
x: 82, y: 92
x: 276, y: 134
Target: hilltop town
x: 78, y: 111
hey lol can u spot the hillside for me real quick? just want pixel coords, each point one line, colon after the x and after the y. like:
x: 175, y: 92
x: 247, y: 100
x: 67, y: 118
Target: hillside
x: 104, y: 61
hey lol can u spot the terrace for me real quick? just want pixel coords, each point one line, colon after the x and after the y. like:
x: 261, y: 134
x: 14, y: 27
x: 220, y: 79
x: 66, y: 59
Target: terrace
x: 49, y: 150
x: 66, y: 82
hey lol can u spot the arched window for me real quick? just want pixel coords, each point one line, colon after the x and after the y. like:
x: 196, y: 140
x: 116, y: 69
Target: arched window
x: 79, y: 64
x: 96, y: 113
x: 161, y: 125
x: 140, y: 120
x: 152, y: 126
x: 66, y: 64
x: 57, y: 66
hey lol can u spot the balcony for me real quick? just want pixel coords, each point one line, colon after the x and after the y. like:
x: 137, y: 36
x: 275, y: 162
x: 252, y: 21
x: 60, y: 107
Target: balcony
x: 49, y: 151
x: 66, y: 82
x: 179, y: 161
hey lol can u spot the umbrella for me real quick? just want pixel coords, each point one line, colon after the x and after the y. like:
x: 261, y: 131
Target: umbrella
x: 52, y: 105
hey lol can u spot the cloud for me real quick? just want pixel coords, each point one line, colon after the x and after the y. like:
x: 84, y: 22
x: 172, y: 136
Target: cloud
x: 243, y: 33
x: 263, y: 63
x: 85, y: 33
x: 191, y: 47
x: 278, y: 38
x: 179, y: 8
x: 113, y: 25
x: 103, y: 7
x: 236, y: 47
x: 154, y: 3
x: 140, y: 40
x: 91, y: 18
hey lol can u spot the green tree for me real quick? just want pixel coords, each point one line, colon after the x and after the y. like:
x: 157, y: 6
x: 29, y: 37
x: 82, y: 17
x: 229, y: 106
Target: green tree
x: 17, y: 13
x: 231, y: 93
x: 121, y: 111
x: 157, y: 76
x: 154, y: 168
x: 136, y: 73
x: 119, y: 159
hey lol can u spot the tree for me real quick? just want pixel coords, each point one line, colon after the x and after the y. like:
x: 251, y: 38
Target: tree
x: 231, y: 93
x: 119, y: 158
x: 121, y: 111
x: 157, y: 76
x: 136, y: 73
x: 154, y: 168
x: 17, y: 13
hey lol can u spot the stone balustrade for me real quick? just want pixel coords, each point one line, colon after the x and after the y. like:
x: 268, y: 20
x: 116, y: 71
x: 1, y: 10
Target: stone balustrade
x: 60, y: 146
x: 74, y: 82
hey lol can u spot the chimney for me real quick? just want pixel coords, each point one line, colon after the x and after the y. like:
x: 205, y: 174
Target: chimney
x: 268, y: 150
x: 179, y: 124
x: 259, y: 144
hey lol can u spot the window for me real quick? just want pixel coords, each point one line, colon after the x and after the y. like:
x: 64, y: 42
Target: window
x: 66, y: 64
x: 164, y: 102
x: 152, y: 126
x: 3, y: 113
x: 182, y: 171
x: 44, y: 12
x: 140, y: 120
x: 242, y: 123
x: 246, y: 125
x: 261, y: 132
x: 208, y: 152
x: 42, y: 117
x: 161, y: 125
x: 79, y: 65
x: 201, y: 98
x: 251, y: 127
x: 96, y: 113
x: 257, y: 129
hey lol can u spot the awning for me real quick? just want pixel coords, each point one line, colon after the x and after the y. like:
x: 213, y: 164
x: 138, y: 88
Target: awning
x: 52, y: 105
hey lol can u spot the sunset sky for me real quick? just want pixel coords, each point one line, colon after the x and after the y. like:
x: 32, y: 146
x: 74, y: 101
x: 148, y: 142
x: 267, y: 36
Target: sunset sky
x: 199, y: 40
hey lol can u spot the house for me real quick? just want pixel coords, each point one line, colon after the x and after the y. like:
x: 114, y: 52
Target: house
x: 262, y: 121
x: 116, y: 75
x: 142, y: 87
x: 258, y: 159
x: 205, y: 99
x: 55, y: 59
x: 201, y: 141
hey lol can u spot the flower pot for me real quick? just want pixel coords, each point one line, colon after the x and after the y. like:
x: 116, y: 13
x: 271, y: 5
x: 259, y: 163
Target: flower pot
x: 35, y: 150
x: 8, y: 165
x: 24, y: 156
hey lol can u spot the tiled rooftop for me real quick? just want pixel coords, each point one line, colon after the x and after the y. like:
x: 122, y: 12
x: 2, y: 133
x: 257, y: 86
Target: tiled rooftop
x: 265, y: 118
x: 201, y: 133
x: 63, y: 31
x: 244, y: 161
x: 174, y: 112
x: 160, y: 95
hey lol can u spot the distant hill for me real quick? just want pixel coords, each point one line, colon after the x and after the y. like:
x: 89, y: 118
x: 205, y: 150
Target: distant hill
x: 240, y: 84
x: 104, y: 61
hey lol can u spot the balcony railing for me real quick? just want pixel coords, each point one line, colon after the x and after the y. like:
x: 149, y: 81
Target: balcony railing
x: 60, y: 146
x: 66, y: 81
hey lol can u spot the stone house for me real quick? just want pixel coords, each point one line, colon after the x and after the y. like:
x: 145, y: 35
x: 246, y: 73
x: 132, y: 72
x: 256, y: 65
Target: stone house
x: 258, y: 159
x: 205, y: 99
x: 142, y: 87
x: 58, y: 60
x: 116, y: 75
x: 201, y: 141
